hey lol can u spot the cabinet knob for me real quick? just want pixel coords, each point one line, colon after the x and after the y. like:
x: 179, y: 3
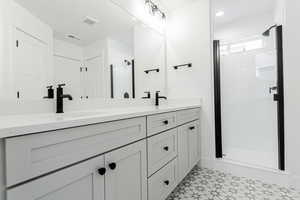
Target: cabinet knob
x: 167, y: 182
x: 166, y: 122
x: 102, y: 171
x: 192, y: 127
x: 112, y: 166
x: 166, y: 148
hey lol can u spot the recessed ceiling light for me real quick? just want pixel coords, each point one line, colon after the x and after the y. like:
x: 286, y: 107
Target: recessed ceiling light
x: 220, y: 13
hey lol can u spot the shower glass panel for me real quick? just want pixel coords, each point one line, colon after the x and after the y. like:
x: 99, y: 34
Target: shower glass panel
x: 248, y: 74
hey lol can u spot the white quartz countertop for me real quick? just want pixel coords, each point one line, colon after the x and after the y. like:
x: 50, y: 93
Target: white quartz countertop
x: 17, y: 125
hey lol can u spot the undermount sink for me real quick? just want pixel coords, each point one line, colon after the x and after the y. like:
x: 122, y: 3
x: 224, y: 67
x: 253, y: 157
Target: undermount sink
x: 80, y: 114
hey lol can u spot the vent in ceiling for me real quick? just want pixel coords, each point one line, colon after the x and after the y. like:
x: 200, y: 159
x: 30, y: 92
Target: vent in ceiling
x: 90, y: 21
x: 73, y: 37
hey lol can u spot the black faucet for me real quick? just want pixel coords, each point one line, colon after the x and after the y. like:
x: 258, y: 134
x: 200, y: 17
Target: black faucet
x: 50, y: 92
x: 157, y: 97
x: 60, y: 98
x: 148, y: 95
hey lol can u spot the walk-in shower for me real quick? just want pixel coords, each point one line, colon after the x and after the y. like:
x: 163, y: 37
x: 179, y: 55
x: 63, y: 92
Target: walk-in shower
x: 248, y: 84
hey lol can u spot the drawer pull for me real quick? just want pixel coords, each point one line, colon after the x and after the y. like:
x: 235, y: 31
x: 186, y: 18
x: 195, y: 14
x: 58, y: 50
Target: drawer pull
x: 166, y: 122
x: 102, y: 171
x: 167, y: 182
x: 166, y: 148
x: 112, y: 166
x: 192, y: 127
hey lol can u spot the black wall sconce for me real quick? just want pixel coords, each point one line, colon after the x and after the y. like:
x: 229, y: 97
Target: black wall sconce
x: 183, y: 65
x: 151, y: 70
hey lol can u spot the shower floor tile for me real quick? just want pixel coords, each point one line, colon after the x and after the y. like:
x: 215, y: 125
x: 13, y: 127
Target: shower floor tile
x: 206, y: 184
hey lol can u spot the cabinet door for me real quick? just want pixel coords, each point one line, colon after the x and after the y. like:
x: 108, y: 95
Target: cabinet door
x: 80, y: 182
x: 94, y: 80
x: 29, y: 66
x: 67, y: 70
x: 183, y: 152
x: 193, y: 143
x: 188, y: 148
x: 126, y: 178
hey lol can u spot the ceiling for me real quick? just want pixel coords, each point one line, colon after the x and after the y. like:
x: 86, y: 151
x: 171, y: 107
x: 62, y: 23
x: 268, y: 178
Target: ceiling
x: 67, y: 16
x: 172, y: 5
x: 235, y: 9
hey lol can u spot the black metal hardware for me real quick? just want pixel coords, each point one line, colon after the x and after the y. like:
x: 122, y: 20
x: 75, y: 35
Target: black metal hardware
x: 157, y: 97
x: 167, y: 182
x: 166, y: 122
x: 183, y: 65
x: 112, y: 166
x: 18, y: 95
x: 17, y: 43
x: 192, y: 127
x: 152, y: 70
x: 148, y: 95
x: 102, y: 171
x: 111, y: 81
x: 272, y: 89
x: 50, y: 92
x: 59, y: 98
x: 133, y: 78
x: 280, y: 98
x: 166, y: 148
x: 217, y: 99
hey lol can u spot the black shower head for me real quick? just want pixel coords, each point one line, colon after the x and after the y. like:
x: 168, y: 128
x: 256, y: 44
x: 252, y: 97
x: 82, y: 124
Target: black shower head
x: 127, y: 62
x: 268, y: 32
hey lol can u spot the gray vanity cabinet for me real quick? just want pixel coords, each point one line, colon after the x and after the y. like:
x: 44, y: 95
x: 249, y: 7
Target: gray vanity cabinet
x: 118, y: 175
x: 115, y: 160
x: 188, y: 148
x: 80, y: 182
x: 128, y: 180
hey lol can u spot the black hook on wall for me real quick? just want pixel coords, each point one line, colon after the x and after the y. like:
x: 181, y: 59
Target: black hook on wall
x: 183, y: 65
x: 151, y: 70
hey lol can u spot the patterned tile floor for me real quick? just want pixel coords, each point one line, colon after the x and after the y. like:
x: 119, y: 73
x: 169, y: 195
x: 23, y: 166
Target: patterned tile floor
x: 206, y: 184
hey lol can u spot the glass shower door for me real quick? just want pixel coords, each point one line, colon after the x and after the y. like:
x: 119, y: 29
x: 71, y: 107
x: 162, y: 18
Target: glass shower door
x: 248, y: 79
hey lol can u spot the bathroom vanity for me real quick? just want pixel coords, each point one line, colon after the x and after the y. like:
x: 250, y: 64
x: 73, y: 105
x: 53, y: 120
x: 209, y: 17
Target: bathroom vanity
x: 137, y: 155
x: 85, y: 57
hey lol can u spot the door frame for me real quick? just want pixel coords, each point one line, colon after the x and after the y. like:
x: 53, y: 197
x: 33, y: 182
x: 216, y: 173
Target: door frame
x: 280, y: 99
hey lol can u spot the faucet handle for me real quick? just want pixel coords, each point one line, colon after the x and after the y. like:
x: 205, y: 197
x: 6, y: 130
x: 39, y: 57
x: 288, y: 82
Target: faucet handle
x: 157, y: 92
x: 61, y: 85
x: 50, y: 87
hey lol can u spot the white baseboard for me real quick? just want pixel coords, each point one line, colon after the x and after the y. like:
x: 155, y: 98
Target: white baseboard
x: 254, y: 172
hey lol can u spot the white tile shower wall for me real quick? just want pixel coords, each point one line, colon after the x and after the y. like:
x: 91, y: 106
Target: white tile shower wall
x: 188, y: 33
x: 292, y: 82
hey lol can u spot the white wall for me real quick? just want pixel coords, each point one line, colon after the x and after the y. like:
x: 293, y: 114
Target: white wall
x: 5, y: 20
x: 188, y: 34
x: 279, y: 12
x: 292, y: 95
x: 149, y: 53
x: 244, y: 27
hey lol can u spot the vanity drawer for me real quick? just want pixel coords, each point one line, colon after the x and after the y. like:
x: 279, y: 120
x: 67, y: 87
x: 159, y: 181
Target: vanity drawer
x: 34, y: 155
x: 162, y: 148
x: 162, y: 183
x: 185, y: 116
x: 161, y: 122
